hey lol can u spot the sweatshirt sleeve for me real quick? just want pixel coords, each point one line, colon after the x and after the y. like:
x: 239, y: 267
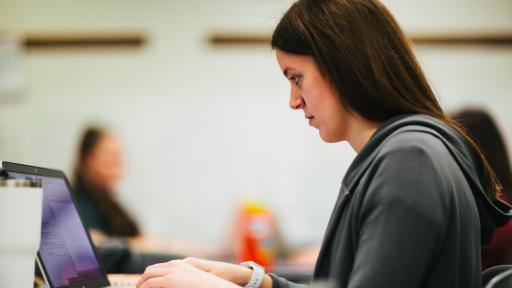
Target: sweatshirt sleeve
x: 279, y: 282
x: 402, y: 220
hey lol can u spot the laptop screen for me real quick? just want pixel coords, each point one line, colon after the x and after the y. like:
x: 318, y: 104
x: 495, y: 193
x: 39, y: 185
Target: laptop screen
x: 65, y: 251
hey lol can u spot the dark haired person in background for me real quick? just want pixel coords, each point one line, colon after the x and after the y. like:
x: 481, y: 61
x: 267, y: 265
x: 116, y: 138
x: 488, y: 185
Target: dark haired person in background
x: 97, y: 172
x: 418, y: 200
x: 482, y: 127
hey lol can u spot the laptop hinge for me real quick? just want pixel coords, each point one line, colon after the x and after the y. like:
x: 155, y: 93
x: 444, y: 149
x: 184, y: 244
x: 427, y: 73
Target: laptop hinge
x: 42, y: 271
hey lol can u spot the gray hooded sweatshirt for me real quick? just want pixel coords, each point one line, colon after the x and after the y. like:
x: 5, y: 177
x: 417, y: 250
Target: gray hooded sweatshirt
x: 412, y: 212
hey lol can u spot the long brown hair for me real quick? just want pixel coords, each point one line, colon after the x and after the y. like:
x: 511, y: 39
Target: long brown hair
x: 359, y: 47
x: 118, y: 221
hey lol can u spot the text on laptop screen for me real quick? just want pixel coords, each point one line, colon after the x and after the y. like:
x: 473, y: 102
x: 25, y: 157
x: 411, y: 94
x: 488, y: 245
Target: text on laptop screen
x: 65, y: 248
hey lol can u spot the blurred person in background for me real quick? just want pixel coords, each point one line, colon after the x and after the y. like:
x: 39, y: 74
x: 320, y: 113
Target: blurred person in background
x: 482, y: 127
x: 98, y: 170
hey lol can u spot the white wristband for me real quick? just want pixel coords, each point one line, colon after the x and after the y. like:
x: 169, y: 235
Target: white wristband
x: 258, y: 273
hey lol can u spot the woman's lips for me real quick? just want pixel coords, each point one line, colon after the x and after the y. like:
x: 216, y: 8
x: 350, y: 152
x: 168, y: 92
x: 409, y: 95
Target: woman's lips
x: 310, y: 118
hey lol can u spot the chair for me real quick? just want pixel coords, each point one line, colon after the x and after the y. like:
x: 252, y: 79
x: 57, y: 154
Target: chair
x: 498, y: 277
x: 491, y: 272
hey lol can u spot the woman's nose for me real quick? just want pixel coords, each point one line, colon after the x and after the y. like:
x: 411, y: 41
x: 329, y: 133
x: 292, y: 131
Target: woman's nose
x: 296, y: 100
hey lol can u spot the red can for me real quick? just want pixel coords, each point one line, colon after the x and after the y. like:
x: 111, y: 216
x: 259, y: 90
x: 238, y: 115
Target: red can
x: 256, y: 239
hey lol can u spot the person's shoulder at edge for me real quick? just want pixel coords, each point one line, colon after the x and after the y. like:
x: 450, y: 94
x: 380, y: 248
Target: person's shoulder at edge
x: 411, y: 160
x: 413, y: 132
x: 415, y: 142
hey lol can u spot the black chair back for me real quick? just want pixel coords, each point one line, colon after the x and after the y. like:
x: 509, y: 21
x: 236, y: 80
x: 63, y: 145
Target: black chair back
x: 502, y: 280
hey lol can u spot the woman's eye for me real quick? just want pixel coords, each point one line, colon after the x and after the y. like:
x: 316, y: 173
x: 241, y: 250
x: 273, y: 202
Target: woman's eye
x: 296, y: 80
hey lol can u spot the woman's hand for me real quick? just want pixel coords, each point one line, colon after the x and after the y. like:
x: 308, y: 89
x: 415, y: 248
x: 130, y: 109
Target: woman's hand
x: 179, y: 273
x: 237, y: 274
x: 194, y: 272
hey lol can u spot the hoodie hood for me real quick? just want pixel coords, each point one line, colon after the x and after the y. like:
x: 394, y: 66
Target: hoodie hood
x: 493, y: 213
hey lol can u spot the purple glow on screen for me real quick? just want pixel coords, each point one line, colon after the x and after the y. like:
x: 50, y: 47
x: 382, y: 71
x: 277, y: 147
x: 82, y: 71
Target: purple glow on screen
x: 65, y: 250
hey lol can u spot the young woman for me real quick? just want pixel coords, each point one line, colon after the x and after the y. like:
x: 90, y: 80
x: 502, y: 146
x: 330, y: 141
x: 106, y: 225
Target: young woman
x: 419, y: 198
x: 97, y: 173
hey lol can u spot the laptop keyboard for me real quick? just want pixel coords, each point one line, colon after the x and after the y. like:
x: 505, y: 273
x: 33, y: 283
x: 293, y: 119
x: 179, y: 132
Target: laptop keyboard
x: 123, y: 280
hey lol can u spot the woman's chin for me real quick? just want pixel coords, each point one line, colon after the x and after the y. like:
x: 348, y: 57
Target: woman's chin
x: 330, y: 138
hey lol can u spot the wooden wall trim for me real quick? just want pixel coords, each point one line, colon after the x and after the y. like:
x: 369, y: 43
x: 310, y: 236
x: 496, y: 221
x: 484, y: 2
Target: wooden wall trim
x: 487, y: 39
x: 34, y: 41
x: 490, y: 39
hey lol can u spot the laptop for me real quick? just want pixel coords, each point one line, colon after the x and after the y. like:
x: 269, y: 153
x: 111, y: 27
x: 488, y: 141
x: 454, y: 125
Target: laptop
x: 66, y: 256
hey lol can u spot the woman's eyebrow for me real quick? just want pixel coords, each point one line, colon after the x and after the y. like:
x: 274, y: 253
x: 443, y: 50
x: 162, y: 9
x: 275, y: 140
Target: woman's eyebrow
x: 285, y: 72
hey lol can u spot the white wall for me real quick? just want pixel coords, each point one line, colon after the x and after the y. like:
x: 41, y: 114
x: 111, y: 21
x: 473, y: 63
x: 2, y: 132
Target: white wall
x: 203, y: 127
